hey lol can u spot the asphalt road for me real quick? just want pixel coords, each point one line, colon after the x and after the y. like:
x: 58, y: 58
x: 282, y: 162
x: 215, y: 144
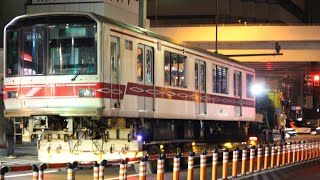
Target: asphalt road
x: 306, y: 169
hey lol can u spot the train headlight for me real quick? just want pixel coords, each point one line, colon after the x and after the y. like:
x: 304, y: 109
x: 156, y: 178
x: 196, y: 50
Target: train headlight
x: 12, y: 94
x: 87, y: 93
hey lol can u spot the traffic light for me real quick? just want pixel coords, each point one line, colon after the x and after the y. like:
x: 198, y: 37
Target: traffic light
x: 309, y: 77
x: 316, y: 80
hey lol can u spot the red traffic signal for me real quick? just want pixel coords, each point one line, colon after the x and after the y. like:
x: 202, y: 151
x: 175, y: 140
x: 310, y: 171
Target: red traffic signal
x: 316, y: 77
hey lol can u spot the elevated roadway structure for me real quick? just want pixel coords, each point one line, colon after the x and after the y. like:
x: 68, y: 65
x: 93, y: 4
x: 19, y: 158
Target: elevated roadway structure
x: 300, y: 45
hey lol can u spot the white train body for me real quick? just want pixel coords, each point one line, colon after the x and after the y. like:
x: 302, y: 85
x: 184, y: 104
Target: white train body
x: 116, y: 74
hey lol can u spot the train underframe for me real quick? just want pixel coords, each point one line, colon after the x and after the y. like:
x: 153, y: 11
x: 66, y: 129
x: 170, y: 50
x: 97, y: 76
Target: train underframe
x: 68, y: 139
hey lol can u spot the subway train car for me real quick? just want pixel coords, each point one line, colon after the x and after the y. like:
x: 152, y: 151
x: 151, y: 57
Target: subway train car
x: 91, y: 88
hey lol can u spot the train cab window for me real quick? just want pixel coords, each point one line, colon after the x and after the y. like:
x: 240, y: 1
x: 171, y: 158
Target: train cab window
x: 72, y: 48
x: 175, y: 69
x: 249, y: 81
x: 220, y: 79
x: 33, y: 51
x: 12, y: 59
x: 139, y: 64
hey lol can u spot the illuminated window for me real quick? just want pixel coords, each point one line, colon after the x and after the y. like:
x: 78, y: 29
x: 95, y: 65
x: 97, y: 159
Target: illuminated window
x: 139, y: 64
x: 220, y: 79
x: 174, y: 69
x: 250, y: 80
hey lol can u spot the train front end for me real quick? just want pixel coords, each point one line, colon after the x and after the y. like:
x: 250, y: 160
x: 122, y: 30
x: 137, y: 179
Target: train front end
x: 53, y: 84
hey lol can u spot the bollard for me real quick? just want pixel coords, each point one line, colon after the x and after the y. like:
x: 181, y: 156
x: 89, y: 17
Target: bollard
x: 176, y: 167
x: 278, y: 156
x: 190, y: 165
x: 317, y: 149
x: 289, y: 153
x: 252, y: 152
x: 235, y: 162
x: 42, y: 167
x: 123, y: 170
x: 284, y: 154
x: 215, y: 164
x: 307, y: 150
x: 142, y: 168
x: 266, y: 154
x: 302, y: 151
x: 225, y: 157
x: 243, y: 163
x: 273, y: 151
x: 96, y: 171
x: 35, y: 172
x: 203, y: 163
x: 313, y: 149
x: 160, y: 167
x: 298, y: 151
x: 3, y: 171
x: 259, y: 156
x: 293, y: 148
x: 70, y: 172
x: 101, y: 169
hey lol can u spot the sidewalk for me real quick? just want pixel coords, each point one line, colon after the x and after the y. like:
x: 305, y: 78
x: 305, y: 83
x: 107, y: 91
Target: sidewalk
x: 25, y: 154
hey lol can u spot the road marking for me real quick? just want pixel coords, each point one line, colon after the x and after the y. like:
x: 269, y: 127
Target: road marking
x: 133, y: 175
x: 29, y: 174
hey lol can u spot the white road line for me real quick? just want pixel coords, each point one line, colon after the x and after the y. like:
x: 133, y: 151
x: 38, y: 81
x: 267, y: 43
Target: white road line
x: 118, y: 177
x: 30, y: 174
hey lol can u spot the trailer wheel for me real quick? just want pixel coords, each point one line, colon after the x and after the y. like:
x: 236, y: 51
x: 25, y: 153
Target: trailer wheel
x: 152, y: 164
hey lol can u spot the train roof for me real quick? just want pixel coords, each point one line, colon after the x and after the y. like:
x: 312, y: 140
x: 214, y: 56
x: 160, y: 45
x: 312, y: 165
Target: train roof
x: 134, y: 29
x: 164, y: 38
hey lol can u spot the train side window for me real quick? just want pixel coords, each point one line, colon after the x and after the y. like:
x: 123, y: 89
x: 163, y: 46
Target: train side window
x: 220, y: 79
x: 149, y: 60
x: 139, y: 64
x: 249, y: 81
x: 196, y: 76
x: 174, y: 69
x: 237, y: 84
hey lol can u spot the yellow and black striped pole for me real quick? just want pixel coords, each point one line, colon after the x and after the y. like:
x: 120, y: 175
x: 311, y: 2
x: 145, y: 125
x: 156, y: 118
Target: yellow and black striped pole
x: 278, y: 156
x: 35, y: 172
x: 252, y: 156
x: 243, y: 162
x: 160, y: 167
x: 203, y: 164
x: 143, y: 168
x: 176, y: 167
x: 190, y: 165
x: 302, y: 151
x: 266, y: 154
x: 42, y: 167
x: 259, y: 157
x: 225, y: 157
x: 215, y: 164
x: 298, y: 151
x: 273, y: 151
x: 293, y: 147
x: 123, y: 170
x: 3, y: 171
x: 96, y: 171
x: 235, y: 162
x: 289, y: 153
x: 284, y: 154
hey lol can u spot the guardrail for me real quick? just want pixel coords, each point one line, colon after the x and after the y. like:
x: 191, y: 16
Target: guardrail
x: 280, y: 155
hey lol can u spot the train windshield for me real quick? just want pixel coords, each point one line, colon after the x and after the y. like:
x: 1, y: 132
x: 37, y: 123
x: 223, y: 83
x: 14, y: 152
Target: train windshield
x: 72, y: 49
x: 50, y: 45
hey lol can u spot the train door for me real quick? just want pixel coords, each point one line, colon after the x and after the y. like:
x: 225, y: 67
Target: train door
x: 114, y: 72
x: 200, y: 87
x: 237, y: 86
x: 145, y: 72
